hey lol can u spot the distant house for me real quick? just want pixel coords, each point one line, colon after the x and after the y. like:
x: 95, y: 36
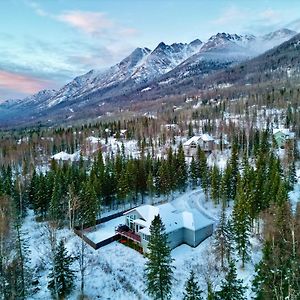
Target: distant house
x: 205, y: 141
x: 189, y: 227
x: 282, y: 135
x: 64, y: 156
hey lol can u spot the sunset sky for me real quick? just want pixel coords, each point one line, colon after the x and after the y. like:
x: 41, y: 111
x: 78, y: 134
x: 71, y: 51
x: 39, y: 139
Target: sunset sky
x: 46, y: 43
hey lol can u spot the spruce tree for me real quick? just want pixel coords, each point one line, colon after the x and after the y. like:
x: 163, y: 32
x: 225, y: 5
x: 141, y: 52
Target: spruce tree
x: 203, y: 171
x: 215, y: 185
x: 211, y: 295
x: 150, y: 186
x: 231, y: 288
x: 164, y: 175
x: 89, y: 205
x: 225, y: 191
x: 192, y: 290
x: 193, y: 173
x: 181, y: 169
x: 61, y: 278
x: 55, y: 212
x: 159, y: 271
x: 223, y: 244
x: 241, y: 220
x: 234, y: 170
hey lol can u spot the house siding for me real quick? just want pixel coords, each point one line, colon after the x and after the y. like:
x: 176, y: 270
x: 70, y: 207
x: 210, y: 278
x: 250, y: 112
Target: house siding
x: 203, y: 233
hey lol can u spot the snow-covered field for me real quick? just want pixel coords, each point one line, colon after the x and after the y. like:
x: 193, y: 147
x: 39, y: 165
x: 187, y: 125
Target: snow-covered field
x: 116, y: 271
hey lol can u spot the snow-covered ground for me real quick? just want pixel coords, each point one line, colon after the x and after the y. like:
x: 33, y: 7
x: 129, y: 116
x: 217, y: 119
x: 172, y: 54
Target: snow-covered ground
x: 294, y: 195
x: 104, y: 231
x: 117, y: 272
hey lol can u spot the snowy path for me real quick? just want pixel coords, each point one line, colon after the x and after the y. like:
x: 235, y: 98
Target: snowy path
x: 195, y: 199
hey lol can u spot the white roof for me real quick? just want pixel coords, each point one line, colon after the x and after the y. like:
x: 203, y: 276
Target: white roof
x: 66, y: 156
x: 193, y: 139
x: 284, y: 131
x: 204, y: 137
x: 172, y: 218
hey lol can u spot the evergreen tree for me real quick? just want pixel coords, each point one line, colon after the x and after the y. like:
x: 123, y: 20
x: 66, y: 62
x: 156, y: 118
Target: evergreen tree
x: 164, y: 175
x: 226, y: 185
x: 193, y: 173
x: 192, y: 290
x: 150, y: 186
x: 241, y: 220
x: 159, y: 271
x: 211, y: 295
x: 61, y: 277
x: 55, y: 202
x: 231, y: 288
x: 123, y: 186
x: 190, y: 133
x: 23, y: 272
x: 89, y: 205
x: 292, y: 176
x: 215, y: 185
x: 181, y: 169
x: 234, y: 170
x: 203, y: 171
x: 223, y: 245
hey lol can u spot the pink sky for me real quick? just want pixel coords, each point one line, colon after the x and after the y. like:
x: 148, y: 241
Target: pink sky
x: 22, y: 84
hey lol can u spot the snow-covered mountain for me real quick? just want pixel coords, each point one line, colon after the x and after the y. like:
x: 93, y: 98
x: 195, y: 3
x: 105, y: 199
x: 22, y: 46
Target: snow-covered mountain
x: 137, y: 75
x: 271, y: 40
x: 226, y: 41
x: 141, y: 66
x: 94, y: 79
x: 36, y: 99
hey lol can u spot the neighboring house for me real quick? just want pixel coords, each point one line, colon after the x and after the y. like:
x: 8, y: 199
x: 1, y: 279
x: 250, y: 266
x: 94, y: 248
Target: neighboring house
x: 64, y: 156
x: 205, y: 141
x: 282, y: 135
x: 189, y: 227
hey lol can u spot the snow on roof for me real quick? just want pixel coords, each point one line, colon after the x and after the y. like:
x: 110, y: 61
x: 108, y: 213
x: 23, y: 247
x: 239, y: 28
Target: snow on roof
x: 284, y: 131
x: 172, y: 218
x: 193, y: 139
x: 66, y: 156
x: 204, y: 137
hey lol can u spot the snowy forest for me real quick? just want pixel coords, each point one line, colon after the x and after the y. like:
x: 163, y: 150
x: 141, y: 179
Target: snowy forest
x: 248, y: 183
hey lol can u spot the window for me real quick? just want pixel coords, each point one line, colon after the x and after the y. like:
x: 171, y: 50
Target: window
x: 145, y: 237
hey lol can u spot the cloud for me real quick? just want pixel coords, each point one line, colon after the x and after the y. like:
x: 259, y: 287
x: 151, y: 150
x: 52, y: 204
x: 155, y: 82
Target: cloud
x: 22, y: 84
x: 245, y: 20
x: 37, y: 8
x: 88, y: 22
x: 230, y: 16
x: 270, y: 16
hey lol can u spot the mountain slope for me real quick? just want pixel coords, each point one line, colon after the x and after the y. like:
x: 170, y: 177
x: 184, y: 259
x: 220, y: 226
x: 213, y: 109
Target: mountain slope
x: 167, y: 70
x: 279, y: 63
x: 221, y: 52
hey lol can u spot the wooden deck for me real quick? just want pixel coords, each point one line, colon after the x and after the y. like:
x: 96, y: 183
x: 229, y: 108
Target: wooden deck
x: 129, y: 235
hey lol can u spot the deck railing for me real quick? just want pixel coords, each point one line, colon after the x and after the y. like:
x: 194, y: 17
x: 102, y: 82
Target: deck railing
x: 129, y: 234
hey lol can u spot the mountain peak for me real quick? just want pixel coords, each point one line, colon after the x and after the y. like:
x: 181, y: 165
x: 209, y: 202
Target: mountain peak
x: 161, y: 46
x: 195, y: 42
x: 283, y: 33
